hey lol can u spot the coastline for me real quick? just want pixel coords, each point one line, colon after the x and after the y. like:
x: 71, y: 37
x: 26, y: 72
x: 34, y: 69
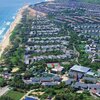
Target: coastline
x: 49, y: 0
x: 5, y: 42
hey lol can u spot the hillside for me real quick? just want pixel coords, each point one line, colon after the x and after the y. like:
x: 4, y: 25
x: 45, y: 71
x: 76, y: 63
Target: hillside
x: 91, y: 1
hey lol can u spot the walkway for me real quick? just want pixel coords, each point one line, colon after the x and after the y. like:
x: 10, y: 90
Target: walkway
x: 4, y: 90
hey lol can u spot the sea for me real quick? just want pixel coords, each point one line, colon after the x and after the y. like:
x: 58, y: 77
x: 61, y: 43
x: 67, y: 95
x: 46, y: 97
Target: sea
x: 8, y: 11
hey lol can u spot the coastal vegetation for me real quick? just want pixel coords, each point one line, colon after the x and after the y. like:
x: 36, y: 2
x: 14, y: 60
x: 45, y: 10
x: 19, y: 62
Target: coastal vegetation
x: 2, y: 82
x: 14, y: 55
x: 14, y: 95
x: 21, y: 74
x: 5, y: 98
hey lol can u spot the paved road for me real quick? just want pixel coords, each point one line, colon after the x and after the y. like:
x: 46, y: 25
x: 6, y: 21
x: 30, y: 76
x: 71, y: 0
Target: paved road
x: 26, y: 94
x: 3, y: 90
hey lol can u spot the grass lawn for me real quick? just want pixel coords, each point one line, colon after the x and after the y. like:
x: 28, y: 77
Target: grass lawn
x: 15, y: 95
x: 81, y: 46
x: 1, y: 79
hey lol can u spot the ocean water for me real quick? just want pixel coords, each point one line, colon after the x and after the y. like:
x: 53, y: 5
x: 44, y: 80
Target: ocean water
x: 8, y: 11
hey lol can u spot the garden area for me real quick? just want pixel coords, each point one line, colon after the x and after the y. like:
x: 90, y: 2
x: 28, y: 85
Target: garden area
x: 15, y: 95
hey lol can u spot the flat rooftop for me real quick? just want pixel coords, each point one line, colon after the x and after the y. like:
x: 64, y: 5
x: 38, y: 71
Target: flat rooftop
x: 80, y: 68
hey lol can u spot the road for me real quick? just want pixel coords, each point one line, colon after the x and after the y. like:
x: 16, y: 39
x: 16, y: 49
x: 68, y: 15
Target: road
x: 4, y: 90
x: 26, y: 94
x: 78, y: 54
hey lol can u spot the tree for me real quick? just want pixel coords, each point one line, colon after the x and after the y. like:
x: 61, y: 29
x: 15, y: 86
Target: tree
x: 28, y: 74
x: 2, y: 83
x: 17, y: 82
x: 5, y: 98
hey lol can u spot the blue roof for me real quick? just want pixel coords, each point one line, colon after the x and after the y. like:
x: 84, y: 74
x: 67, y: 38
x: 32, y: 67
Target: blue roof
x: 80, y: 68
x: 90, y: 79
x: 31, y: 98
x: 35, y: 79
x: 72, y: 74
x: 69, y: 81
x: 90, y: 73
x: 42, y: 79
x: 80, y: 85
x: 96, y: 86
x: 57, y: 78
x: 98, y: 91
x: 50, y: 83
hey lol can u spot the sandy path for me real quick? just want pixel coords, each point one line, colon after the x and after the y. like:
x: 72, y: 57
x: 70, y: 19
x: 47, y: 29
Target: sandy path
x: 4, y: 90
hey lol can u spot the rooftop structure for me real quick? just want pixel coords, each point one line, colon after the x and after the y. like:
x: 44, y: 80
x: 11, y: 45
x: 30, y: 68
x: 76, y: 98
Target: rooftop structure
x: 57, y: 69
x: 90, y: 73
x: 69, y: 81
x: 50, y: 83
x: 79, y: 85
x: 40, y: 80
x: 90, y: 79
x: 80, y: 69
x: 53, y: 65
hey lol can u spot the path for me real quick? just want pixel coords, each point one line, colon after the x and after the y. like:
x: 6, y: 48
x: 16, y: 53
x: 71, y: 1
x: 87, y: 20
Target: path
x: 26, y: 94
x: 4, y: 90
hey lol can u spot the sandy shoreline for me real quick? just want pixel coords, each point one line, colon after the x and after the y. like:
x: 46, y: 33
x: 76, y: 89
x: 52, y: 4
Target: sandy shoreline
x: 5, y: 42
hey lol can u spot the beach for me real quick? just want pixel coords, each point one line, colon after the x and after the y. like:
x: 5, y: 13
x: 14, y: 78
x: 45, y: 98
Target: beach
x: 5, y: 42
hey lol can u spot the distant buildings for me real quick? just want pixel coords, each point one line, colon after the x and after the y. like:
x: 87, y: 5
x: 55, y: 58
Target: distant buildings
x: 45, y: 39
x: 46, y: 42
x: 83, y: 78
x: 55, y: 68
x: 78, y: 71
x: 41, y: 80
x: 79, y: 78
x: 85, y: 21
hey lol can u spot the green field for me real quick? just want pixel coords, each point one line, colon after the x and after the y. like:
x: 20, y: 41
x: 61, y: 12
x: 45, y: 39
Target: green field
x: 1, y: 79
x: 15, y: 95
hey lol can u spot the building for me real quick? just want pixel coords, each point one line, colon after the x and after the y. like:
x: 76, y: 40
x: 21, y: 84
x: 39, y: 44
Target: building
x: 78, y: 71
x: 45, y: 79
x: 53, y: 65
x: 56, y: 68
x: 50, y: 83
x: 79, y: 85
x: 90, y: 79
x: 69, y: 81
x: 90, y: 74
x: 81, y: 69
